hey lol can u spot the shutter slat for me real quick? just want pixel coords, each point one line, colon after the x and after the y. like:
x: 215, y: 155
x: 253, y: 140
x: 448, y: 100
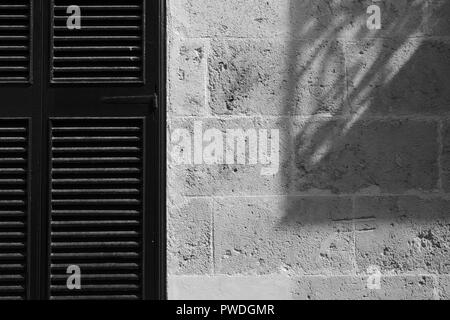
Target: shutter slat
x: 95, y: 191
x: 95, y: 170
x: 13, y: 207
x: 98, y: 244
x: 108, y: 48
x: 94, y: 181
x: 99, y: 266
x: 131, y: 213
x: 15, y: 41
x: 120, y: 8
x: 95, y: 149
x: 83, y: 224
x: 97, y: 206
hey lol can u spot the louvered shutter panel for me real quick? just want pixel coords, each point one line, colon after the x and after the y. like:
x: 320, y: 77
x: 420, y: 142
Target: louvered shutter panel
x: 97, y: 207
x: 15, y: 41
x: 13, y: 208
x: 109, y: 47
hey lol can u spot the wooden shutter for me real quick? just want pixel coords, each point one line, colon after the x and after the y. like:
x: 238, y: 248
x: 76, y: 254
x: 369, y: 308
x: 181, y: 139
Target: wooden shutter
x: 109, y: 47
x: 97, y: 206
x: 14, y: 205
x: 15, y: 41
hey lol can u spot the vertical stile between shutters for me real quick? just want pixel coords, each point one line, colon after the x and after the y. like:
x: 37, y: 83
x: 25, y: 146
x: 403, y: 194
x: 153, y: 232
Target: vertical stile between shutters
x: 15, y: 41
x: 14, y: 204
x: 109, y: 47
x: 96, y: 206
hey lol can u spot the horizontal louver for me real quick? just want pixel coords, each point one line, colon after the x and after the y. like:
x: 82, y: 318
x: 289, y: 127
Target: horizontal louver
x: 13, y: 208
x: 109, y: 47
x: 97, y: 207
x: 15, y: 41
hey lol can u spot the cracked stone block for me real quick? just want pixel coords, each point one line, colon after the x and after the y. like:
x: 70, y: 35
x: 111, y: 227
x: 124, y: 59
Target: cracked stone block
x: 365, y: 156
x: 283, y: 235
x: 403, y: 234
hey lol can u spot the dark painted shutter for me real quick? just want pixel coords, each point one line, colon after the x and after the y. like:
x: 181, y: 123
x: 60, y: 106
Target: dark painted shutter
x: 15, y: 41
x: 13, y: 208
x: 97, y: 207
x: 109, y: 47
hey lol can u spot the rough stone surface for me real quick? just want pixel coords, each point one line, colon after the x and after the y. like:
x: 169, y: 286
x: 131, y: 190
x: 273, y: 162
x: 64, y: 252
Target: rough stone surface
x: 272, y: 77
x: 355, y: 288
x: 229, y: 288
x: 231, y: 179
x: 445, y: 160
x: 187, y: 77
x: 252, y: 236
x: 234, y: 18
x: 189, y: 237
x: 403, y: 234
x: 444, y: 287
x: 297, y: 19
x: 390, y: 156
x: 364, y: 162
x: 438, y: 18
x: 399, y: 77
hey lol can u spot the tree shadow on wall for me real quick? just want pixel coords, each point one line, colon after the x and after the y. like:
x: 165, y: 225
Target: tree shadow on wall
x: 364, y: 109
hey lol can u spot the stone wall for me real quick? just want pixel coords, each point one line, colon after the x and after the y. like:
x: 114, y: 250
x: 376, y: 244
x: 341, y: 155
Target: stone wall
x: 364, y: 174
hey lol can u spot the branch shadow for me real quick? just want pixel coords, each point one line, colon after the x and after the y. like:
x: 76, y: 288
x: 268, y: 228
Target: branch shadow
x: 370, y: 130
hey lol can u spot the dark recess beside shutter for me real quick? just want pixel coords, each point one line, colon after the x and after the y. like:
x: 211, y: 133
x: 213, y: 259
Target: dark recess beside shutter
x: 97, y: 206
x: 15, y: 41
x: 13, y: 208
x: 109, y: 47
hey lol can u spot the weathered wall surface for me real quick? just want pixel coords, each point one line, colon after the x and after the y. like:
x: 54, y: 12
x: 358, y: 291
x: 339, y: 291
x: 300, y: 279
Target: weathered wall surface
x: 364, y: 176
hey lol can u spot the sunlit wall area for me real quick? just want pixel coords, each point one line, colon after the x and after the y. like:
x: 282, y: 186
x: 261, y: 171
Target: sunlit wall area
x: 308, y: 149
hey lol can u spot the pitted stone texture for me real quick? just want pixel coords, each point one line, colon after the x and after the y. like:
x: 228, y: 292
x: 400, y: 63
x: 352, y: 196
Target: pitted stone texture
x: 438, y: 18
x: 403, y: 234
x: 287, y: 235
x: 320, y: 19
x: 189, y: 237
x: 379, y: 155
x: 187, y: 77
x: 445, y: 157
x: 232, y: 18
x: 231, y: 179
x: 229, y: 288
x: 444, y: 287
x: 399, y: 77
x: 355, y: 288
x: 271, y: 77
x: 331, y: 19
